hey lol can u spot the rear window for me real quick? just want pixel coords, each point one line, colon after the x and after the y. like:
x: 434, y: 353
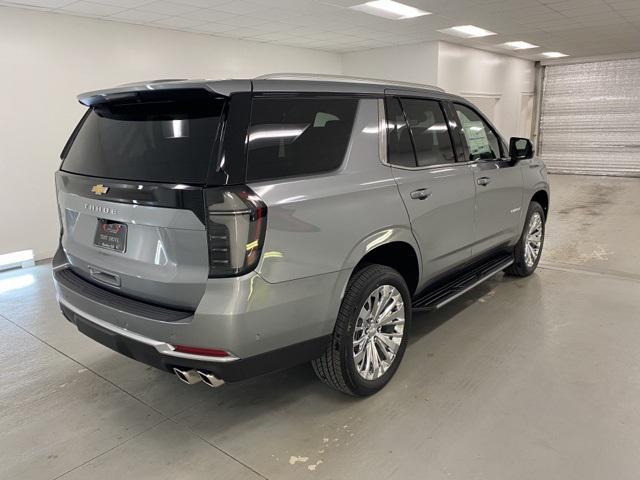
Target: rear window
x: 298, y: 136
x: 160, y: 139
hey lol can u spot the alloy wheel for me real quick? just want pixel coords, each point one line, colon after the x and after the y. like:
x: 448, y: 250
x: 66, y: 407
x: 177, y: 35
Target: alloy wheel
x: 378, y: 332
x: 533, y: 241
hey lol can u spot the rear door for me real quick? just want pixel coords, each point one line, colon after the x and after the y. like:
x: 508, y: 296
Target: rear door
x: 437, y: 191
x: 130, y: 194
x: 498, y: 180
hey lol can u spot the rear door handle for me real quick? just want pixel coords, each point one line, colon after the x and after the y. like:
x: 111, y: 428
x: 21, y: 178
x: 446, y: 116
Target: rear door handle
x: 420, y: 194
x: 484, y: 181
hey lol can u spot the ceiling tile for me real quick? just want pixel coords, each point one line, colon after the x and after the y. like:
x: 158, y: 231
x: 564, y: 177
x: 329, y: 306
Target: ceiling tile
x: 91, y: 9
x: 40, y: 3
x: 203, y: 3
x: 137, y: 16
x: 243, y: 21
x: 573, y: 26
x: 240, y: 7
x: 213, y: 28
x: 179, y: 22
x: 208, y: 15
x: 167, y: 8
x: 125, y: 4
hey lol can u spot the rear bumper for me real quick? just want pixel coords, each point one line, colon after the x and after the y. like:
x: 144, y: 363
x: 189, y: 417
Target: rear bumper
x: 158, y: 354
x: 263, y: 326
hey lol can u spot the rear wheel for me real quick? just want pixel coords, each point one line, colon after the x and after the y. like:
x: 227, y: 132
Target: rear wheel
x: 370, y: 335
x: 529, y: 248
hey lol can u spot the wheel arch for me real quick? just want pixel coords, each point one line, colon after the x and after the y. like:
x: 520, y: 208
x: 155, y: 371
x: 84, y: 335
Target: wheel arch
x: 393, y: 247
x: 542, y: 197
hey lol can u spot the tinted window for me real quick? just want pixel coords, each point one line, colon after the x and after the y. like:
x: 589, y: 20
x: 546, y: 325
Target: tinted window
x: 400, y: 148
x: 481, y: 140
x: 429, y: 131
x: 298, y: 136
x: 166, y: 140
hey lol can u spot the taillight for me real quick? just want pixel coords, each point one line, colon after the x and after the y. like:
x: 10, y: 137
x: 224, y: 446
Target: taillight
x: 236, y: 225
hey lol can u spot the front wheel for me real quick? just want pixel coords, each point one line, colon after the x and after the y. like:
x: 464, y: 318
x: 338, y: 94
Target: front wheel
x: 370, y: 335
x: 529, y: 248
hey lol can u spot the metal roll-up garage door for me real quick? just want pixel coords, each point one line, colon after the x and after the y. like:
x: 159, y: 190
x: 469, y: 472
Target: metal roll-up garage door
x: 590, y: 118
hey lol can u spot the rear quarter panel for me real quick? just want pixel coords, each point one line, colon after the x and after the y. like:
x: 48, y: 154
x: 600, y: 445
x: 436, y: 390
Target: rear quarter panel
x: 326, y: 223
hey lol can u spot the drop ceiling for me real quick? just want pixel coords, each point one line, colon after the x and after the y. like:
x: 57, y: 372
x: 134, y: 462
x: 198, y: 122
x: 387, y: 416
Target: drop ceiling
x: 575, y: 27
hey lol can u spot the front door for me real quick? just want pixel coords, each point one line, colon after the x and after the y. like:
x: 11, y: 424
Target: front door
x: 498, y: 180
x: 437, y: 191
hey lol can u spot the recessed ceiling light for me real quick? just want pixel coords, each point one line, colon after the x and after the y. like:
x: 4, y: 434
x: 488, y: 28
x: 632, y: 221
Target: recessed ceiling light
x: 390, y: 9
x: 519, y: 45
x: 554, y: 54
x: 467, y: 31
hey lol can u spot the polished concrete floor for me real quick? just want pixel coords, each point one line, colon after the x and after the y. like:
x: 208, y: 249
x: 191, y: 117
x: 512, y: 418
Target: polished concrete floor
x: 533, y: 378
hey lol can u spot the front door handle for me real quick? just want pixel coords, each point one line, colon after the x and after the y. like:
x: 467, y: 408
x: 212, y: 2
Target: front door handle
x: 484, y: 181
x: 420, y: 194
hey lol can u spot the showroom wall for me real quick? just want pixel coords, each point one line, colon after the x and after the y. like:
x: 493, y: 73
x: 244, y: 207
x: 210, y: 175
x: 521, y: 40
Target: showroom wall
x: 478, y: 74
x: 410, y: 63
x: 483, y: 77
x: 47, y: 59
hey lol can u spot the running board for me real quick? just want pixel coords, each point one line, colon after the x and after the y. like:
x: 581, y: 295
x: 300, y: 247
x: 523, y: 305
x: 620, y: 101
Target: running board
x: 440, y: 296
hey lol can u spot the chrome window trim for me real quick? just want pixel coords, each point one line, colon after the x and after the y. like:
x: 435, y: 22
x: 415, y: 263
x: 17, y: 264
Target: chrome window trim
x: 382, y: 132
x: 472, y: 163
x: 162, y: 347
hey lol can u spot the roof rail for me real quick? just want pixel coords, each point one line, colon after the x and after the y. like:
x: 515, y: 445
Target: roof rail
x: 343, y: 78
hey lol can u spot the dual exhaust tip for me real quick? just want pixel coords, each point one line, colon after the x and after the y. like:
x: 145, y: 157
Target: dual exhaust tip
x: 191, y: 377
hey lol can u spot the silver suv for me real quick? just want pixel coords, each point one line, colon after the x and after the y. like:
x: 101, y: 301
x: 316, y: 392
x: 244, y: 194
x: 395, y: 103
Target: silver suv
x: 225, y: 229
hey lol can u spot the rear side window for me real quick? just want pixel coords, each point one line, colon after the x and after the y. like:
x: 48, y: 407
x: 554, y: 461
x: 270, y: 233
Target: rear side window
x: 157, y: 139
x: 298, y: 136
x: 429, y: 131
x: 400, y: 148
x: 481, y: 140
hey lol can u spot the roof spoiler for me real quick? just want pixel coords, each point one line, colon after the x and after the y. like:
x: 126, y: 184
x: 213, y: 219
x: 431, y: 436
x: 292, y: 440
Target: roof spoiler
x: 222, y: 88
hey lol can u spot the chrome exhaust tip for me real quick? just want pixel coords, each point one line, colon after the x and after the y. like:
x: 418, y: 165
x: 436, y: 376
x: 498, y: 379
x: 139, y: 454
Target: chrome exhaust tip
x: 187, y: 376
x: 210, y: 379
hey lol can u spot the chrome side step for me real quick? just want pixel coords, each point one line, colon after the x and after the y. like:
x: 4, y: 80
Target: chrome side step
x: 438, y: 297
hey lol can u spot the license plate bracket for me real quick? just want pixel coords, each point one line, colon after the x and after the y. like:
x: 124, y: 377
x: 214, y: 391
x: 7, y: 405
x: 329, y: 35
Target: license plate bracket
x: 111, y: 235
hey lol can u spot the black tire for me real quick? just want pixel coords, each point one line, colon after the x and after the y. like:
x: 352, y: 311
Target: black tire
x: 519, y: 267
x: 337, y: 367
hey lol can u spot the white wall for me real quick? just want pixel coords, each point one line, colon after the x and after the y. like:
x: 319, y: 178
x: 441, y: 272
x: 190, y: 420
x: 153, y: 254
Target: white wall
x: 470, y: 72
x: 409, y: 63
x: 461, y: 70
x: 47, y: 59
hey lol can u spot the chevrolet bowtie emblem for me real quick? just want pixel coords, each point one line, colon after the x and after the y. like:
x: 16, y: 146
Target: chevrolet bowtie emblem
x: 99, y: 189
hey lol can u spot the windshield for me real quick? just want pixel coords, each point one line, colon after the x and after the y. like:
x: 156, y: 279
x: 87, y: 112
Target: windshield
x: 164, y: 139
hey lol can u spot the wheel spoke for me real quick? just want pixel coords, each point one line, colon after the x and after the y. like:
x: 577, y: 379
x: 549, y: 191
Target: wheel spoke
x: 360, y: 355
x: 393, y: 320
x: 388, y: 342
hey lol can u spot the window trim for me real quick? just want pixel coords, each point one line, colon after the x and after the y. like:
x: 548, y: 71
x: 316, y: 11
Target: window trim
x: 487, y: 123
x: 382, y: 132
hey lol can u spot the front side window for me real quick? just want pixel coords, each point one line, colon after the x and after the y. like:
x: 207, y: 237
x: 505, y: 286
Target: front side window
x: 482, y: 142
x: 429, y: 132
x: 298, y: 136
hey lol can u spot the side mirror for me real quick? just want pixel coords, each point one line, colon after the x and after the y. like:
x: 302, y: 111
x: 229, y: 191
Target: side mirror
x: 520, y: 148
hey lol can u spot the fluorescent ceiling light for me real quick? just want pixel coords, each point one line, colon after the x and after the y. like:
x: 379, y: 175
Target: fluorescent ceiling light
x: 554, y: 54
x: 518, y: 45
x: 390, y: 9
x: 467, y: 31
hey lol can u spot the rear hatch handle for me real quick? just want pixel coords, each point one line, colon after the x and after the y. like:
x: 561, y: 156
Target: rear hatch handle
x: 101, y: 276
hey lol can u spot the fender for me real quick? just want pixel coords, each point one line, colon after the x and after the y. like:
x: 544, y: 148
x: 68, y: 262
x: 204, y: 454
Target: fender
x: 383, y: 236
